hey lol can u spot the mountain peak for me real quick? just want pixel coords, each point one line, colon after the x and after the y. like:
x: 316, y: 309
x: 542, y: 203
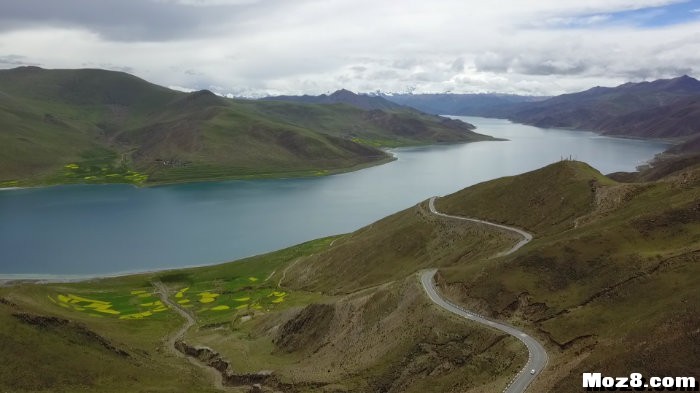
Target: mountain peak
x: 685, y: 81
x: 343, y: 93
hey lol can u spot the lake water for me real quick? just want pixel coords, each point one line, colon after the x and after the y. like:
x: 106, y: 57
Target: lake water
x: 103, y: 229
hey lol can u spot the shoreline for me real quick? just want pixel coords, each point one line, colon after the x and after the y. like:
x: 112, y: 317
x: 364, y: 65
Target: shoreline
x: 665, y: 140
x: 37, y: 278
x: 10, y: 279
x: 390, y: 157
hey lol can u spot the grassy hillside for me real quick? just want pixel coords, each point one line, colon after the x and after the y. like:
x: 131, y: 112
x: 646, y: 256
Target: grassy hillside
x: 109, y: 335
x: 618, y: 291
x: 393, y: 248
x: 546, y: 200
x: 388, y: 338
x: 676, y: 120
x: 665, y: 108
x: 610, y: 283
x: 63, y: 126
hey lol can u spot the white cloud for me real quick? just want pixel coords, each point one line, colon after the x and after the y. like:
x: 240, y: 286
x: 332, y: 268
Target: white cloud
x: 182, y: 89
x: 309, y: 46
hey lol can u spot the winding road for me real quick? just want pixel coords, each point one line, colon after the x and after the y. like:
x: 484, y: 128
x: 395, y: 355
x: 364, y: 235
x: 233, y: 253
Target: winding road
x: 537, y: 359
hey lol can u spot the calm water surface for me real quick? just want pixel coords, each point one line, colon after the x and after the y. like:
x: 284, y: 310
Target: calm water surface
x: 102, y: 229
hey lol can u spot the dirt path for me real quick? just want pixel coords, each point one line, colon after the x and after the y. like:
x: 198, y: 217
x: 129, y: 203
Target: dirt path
x: 284, y: 272
x: 179, y: 335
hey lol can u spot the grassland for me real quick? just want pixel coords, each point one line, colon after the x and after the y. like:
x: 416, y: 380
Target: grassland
x: 118, y: 128
x: 610, y: 284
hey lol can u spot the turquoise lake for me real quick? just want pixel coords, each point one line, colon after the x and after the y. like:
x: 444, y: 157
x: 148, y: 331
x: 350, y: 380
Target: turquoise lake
x: 108, y: 229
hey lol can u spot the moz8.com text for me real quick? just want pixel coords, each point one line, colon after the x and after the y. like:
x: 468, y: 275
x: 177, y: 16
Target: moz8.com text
x: 636, y: 382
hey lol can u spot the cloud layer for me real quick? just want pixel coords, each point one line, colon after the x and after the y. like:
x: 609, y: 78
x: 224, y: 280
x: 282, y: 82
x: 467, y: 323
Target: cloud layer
x: 256, y: 47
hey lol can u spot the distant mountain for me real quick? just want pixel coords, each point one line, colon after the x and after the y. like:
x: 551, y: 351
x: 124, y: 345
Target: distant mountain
x: 678, y: 119
x: 489, y: 105
x: 362, y: 101
x: 665, y: 108
x: 691, y: 145
x: 65, y: 126
x: 659, y: 109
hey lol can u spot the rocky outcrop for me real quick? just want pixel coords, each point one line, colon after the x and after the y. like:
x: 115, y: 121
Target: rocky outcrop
x: 214, y: 360
x: 306, y: 330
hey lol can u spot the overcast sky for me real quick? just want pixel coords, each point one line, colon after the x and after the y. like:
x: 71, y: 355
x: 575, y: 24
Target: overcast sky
x: 257, y: 47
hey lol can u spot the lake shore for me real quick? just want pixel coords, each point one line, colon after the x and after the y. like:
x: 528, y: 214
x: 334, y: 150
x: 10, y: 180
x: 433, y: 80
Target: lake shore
x: 263, y: 176
x: 96, y: 231
x: 7, y: 280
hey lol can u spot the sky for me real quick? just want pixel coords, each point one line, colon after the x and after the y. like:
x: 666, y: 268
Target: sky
x: 270, y: 47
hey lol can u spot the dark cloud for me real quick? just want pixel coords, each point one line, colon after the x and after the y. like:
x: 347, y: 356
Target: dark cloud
x: 14, y: 60
x: 119, y: 20
x: 647, y: 73
x: 492, y: 62
x: 531, y: 64
x: 114, y: 67
x: 549, y: 66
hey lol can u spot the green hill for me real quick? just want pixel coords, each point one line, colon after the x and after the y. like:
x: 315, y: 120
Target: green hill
x: 546, y: 200
x: 616, y: 291
x: 63, y: 126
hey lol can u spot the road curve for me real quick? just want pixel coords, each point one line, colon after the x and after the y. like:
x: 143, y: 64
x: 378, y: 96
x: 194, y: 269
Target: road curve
x: 537, y: 358
x: 527, y: 237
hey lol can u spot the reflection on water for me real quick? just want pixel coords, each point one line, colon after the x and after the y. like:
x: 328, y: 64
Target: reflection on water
x: 116, y: 228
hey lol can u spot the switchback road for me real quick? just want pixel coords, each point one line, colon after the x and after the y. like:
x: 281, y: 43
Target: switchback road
x: 537, y: 358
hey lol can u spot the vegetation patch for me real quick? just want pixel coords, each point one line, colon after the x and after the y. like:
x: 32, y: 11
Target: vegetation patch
x: 9, y: 183
x: 234, y: 295
x: 121, y: 306
x: 101, y: 173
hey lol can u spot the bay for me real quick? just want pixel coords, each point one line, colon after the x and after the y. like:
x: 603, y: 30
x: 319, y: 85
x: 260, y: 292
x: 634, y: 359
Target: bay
x: 108, y: 229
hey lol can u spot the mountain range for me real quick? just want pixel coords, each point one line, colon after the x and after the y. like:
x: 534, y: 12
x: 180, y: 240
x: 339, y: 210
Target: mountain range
x: 343, y: 96
x: 665, y: 108
x: 460, y: 104
x: 90, y: 125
